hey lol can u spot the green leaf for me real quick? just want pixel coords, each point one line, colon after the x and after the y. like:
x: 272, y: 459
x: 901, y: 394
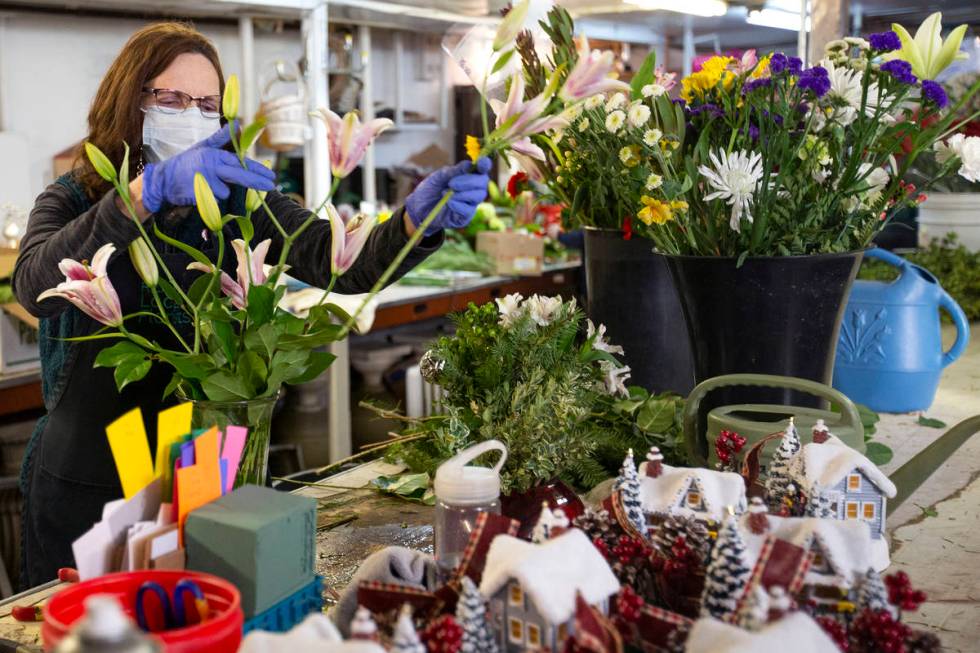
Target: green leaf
x: 261, y: 304
x: 195, y: 254
x: 930, y: 422
x: 928, y: 511
x: 316, y: 339
x: 225, y: 334
x: 411, y: 487
x: 224, y: 386
x: 502, y: 61
x: 189, y: 366
x: 263, y: 339
x: 117, y: 353
x: 319, y: 361
x: 246, y: 227
x: 130, y: 370
x: 172, y: 386
x: 252, y: 371
x: 170, y: 292
x: 249, y: 134
x: 645, y: 75
x: 124, y: 168
x: 878, y: 453
x: 199, y: 287
x: 332, y: 309
x: 656, y: 415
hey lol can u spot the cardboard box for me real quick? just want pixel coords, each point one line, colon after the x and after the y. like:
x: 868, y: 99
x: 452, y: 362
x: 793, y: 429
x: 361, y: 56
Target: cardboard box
x: 18, y: 339
x: 513, y: 252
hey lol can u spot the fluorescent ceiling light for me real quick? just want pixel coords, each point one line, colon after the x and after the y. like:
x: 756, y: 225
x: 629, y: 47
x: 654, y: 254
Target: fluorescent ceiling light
x: 693, y: 7
x: 777, y: 18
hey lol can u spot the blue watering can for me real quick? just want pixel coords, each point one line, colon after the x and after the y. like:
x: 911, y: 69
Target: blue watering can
x: 890, y: 355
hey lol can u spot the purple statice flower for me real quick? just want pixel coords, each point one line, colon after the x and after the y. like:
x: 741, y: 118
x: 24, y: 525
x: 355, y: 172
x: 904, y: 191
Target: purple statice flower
x: 755, y: 84
x: 778, y: 63
x: 885, y: 41
x: 934, y: 92
x: 712, y: 110
x: 802, y: 107
x: 794, y: 66
x: 776, y: 118
x: 680, y: 102
x: 900, y: 70
x: 815, y: 79
x: 753, y: 132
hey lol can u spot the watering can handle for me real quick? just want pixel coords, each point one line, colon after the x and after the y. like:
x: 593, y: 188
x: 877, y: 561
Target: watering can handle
x: 887, y: 257
x: 962, y: 327
x: 697, y: 446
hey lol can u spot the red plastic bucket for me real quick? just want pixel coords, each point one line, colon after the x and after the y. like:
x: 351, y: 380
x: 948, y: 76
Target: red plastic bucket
x: 221, y: 633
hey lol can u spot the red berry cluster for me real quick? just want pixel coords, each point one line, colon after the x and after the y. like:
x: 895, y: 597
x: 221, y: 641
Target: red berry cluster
x: 901, y: 594
x: 443, y: 635
x: 836, y: 630
x: 682, y: 561
x: 727, y: 446
x: 600, y: 544
x: 629, y: 604
x: 877, y: 631
x: 628, y: 549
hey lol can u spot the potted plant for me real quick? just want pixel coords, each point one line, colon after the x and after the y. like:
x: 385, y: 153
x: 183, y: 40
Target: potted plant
x: 599, y: 167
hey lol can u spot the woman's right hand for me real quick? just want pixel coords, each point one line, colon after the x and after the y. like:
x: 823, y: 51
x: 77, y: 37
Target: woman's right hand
x: 172, y: 181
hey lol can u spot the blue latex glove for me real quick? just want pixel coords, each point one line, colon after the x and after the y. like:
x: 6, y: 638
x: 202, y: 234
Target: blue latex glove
x: 469, y: 189
x: 172, y: 181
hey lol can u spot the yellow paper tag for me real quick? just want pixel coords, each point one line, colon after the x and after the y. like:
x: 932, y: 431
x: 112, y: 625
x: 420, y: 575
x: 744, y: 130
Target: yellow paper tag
x: 172, y: 424
x: 127, y: 439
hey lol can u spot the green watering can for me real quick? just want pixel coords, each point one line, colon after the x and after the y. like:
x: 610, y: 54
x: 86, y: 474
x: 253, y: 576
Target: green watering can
x: 755, y: 421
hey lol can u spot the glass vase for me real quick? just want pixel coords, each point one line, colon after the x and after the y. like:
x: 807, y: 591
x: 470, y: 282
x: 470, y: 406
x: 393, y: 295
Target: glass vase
x: 253, y: 414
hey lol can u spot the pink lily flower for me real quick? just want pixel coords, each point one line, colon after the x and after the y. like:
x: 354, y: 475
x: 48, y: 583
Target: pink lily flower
x: 348, y: 139
x: 747, y: 62
x: 88, y: 287
x: 590, y: 76
x: 530, y: 118
x: 347, y: 241
x: 254, y: 263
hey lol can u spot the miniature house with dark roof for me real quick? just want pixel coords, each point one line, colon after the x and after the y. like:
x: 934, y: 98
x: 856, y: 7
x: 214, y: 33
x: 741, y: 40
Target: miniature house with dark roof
x: 704, y: 494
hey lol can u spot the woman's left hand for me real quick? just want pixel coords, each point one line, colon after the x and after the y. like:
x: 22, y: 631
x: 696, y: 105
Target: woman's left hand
x: 469, y: 188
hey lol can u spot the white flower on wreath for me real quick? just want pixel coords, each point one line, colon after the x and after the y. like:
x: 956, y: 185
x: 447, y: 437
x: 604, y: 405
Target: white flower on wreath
x: 509, y: 308
x: 652, y: 137
x: 639, y: 114
x: 615, y: 121
x: 615, y: 102
x: 615, y: 377
x: 543, y: 310
x: 734, y: 178
x: 654, y: 181
x: 594, y: 101
x: 583, y: 124
x: 600, y: 343
x: 966, y: 149
x: 653, y: 90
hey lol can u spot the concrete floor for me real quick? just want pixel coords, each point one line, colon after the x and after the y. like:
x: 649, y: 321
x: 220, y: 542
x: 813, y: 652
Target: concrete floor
x: 935, y: 535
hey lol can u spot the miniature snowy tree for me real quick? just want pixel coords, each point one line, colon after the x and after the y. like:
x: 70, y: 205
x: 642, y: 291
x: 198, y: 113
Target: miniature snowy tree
x: 872, y: 594
x: 818, y: 504
x: 754, y: 613
x: 406, y: 639
x: 362, y: 626
x: 727, y: 573
x: 471, y: 613
x: 778, y: 479
x: 628, y: 486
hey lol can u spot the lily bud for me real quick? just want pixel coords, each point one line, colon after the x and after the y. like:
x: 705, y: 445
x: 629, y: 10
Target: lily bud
x: 253, y: 199
x: 207, y: 206
x: 143, y: 261
x: 229, y: 103
x: 103, y: 166
x: 511, y: 25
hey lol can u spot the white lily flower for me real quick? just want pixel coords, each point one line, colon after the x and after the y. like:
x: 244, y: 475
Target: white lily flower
x: 927, y: 52
x: 509, y: 308
x: 601, y: 343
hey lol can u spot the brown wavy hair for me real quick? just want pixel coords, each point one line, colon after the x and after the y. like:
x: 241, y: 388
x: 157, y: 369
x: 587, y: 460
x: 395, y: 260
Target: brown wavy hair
x: 115, y: 116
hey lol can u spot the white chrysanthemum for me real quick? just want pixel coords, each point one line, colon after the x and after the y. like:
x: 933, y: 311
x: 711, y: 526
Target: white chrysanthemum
x: 625, y: 154
x: 654, y: 181
x: 857, y: 41
x: 543, y: 309
x: 509, y: 308
x: 615, y: 378
x: 876, y: 180
x: 639, y: 114
x: 820, y: 175
x: 600, y: 342
x: 846, y: 86
x: 583, y: 124
x: 966, y: 149
x: 616, y: 101
x: 594, y: 101
x: 572, y: 113
x: 652, y: 137
x: 615, y: 121
x: 653, y: 90
x: 734, y: 178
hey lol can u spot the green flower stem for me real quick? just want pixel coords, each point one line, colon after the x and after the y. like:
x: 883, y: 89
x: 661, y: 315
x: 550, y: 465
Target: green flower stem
x: 409, y: 246
x: 166, y: 320
x: 215, y: 276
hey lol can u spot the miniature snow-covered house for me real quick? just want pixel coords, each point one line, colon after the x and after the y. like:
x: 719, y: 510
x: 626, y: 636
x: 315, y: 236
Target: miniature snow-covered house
x: 532, y: 588
x: 842, y: 552
x: 704, y: 494
x: 852, y: 487
x: 796, y: 631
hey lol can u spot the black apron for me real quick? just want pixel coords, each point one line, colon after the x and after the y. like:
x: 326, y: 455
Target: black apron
x: 68, y: 471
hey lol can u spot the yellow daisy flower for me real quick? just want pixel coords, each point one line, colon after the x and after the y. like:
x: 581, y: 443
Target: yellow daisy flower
x: 473, y: 148
x: 654, y: 211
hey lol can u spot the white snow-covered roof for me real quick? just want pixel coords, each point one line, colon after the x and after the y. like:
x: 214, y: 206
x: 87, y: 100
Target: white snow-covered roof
x: 796, y: 630
x: 846, y: 544
x: 550, y: 573
x: 825, y: 465
x: 666, y: 492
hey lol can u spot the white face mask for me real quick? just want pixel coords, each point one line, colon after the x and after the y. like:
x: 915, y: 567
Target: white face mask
x: 167, y: 134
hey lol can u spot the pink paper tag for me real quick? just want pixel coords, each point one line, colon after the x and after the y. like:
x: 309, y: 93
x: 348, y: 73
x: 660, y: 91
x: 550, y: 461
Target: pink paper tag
x: 232, y: 452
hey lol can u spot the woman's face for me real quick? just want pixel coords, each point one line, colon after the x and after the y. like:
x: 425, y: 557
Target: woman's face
x: 190, y: 73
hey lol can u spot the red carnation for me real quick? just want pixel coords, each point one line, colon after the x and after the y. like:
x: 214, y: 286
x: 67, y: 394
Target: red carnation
x: 516, y: 184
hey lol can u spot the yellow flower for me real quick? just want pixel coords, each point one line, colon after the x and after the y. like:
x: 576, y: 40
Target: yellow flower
x: 762, y: 68
x: 679, y: 205
x: 654, y: 211
x: 713, y: 71
x: 473, y: 148
x: 384, y: 216
x: 630, y: 156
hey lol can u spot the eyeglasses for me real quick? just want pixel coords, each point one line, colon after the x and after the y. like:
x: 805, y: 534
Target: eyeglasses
x: 171, y: 101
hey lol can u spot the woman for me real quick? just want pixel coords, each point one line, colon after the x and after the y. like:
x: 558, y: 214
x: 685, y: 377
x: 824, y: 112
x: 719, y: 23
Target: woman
x: 162, y: 95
